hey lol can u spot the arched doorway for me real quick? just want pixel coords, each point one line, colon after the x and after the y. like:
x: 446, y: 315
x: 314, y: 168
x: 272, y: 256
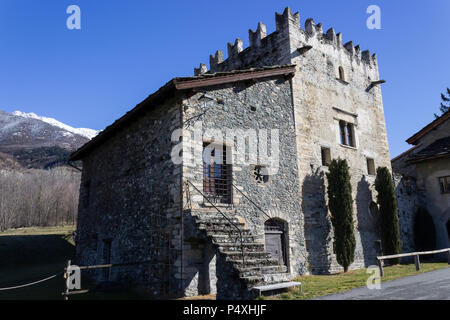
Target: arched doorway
x: 275, y: 240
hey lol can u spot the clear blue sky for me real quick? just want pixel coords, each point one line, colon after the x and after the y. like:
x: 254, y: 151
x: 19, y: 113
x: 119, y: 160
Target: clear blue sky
x: 125, y: 50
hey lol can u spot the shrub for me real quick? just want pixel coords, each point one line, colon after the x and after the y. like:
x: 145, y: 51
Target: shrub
x: 340, y: 203
x: 387, y: 203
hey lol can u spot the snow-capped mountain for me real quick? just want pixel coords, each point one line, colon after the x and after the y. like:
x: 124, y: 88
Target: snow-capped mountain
x: 36, y: 141
x: 88, y: 133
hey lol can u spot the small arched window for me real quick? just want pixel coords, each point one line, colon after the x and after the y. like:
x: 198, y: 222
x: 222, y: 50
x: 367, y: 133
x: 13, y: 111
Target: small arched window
x: 341, y: 74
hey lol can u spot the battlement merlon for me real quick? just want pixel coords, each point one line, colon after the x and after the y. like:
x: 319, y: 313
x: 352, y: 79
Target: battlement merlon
x: 200, y: 70
x: 286, y: 19
x: 255, y: 37
x: 287, y: 25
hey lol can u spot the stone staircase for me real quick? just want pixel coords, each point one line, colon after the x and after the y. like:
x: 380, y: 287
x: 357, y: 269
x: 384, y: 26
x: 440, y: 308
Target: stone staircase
x: 258, y: 268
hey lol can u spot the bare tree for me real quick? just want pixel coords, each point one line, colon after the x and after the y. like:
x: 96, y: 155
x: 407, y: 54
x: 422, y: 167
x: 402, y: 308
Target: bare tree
x: 38, y: 197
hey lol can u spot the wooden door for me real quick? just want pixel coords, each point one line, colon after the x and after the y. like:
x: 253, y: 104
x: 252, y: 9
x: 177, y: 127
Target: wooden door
x: 274, y: 245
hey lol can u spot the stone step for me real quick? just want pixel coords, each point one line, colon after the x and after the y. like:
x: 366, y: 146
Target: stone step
x: 217, y: 218
x: 253, y: 281
x: 217, y: 224
x: 237, y: 255
x: 254, y: 262
x: 279, y: 269
x: 223, y: 230
x: 237, y: 247
x: 212, y: 211
x: 260, y: 270
x: 258, y: 267
x: 221, y: 238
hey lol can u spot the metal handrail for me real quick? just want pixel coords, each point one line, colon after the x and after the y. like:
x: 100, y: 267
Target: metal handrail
x: 258, y: 207
x: 223, y: 214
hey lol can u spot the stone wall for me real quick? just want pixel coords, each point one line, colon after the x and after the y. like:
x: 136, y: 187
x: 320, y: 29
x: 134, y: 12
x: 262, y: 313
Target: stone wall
x: 130, y: 195
x: 320, y: 100
x: 266, y: 104
x: 408, y: 201
x: 436, y: 202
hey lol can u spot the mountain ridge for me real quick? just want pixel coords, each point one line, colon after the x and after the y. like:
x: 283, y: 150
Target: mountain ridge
x: 33, y: 141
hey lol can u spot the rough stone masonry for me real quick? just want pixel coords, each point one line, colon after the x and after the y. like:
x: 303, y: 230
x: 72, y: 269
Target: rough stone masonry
x: 208, y: 228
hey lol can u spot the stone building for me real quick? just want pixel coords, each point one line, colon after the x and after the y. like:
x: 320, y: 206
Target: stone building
x: 423, y: 180
x: 153, y: 188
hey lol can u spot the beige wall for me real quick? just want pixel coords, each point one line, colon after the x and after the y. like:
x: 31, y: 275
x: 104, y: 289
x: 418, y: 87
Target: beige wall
x: 320, y: 101
x: 437, y: 204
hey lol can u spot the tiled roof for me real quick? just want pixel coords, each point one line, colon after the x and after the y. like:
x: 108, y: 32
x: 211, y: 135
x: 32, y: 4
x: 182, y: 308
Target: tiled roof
x: 439, y: 148
x: 203, y: 80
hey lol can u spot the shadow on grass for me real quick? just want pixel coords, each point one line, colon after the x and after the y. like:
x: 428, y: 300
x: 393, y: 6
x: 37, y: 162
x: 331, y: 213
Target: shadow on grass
x: 28, y: 258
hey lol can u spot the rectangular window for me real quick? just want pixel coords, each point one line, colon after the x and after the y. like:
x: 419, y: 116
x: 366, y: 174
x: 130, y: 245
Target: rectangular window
x: 326, y: 156
x: 342, y: 130
x: 347, y: 134
x: 370, y: 166
x: 444, y: 182
x: 216, y: 174
x: 350, y: 135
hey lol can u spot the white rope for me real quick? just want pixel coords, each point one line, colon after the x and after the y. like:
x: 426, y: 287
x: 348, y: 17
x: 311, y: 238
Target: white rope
x: 32, y: 283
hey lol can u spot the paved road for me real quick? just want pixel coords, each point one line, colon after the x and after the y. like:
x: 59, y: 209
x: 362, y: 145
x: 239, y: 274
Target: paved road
x: 426, y: 286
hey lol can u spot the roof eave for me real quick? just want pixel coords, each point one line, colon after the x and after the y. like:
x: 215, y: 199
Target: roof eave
x: 437, y: 122
x: 180, y: 84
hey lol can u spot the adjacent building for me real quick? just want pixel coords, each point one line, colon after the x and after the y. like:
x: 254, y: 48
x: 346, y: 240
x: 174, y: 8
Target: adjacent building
x: 423, y: 176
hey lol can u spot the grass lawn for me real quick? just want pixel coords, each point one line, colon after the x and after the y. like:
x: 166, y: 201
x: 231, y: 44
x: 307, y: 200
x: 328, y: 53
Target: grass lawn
x: 316, y: 286
x: 31, y: 254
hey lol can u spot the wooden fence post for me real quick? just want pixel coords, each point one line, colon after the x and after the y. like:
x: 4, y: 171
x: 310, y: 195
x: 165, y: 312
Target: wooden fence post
x: 417, y: 262
x: 380, y: 265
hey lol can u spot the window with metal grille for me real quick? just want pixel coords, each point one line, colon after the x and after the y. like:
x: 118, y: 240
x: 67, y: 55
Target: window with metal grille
x: 216, y: 174
x: 444, y: 182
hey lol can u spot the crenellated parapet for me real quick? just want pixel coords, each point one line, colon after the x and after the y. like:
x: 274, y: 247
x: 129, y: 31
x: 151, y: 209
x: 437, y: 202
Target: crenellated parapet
x: 255, y: 37
x: 200, y: 70
x: 286, y: 19
x: 216, y: 59
x: 264, y: 49
x: 234, y: 49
